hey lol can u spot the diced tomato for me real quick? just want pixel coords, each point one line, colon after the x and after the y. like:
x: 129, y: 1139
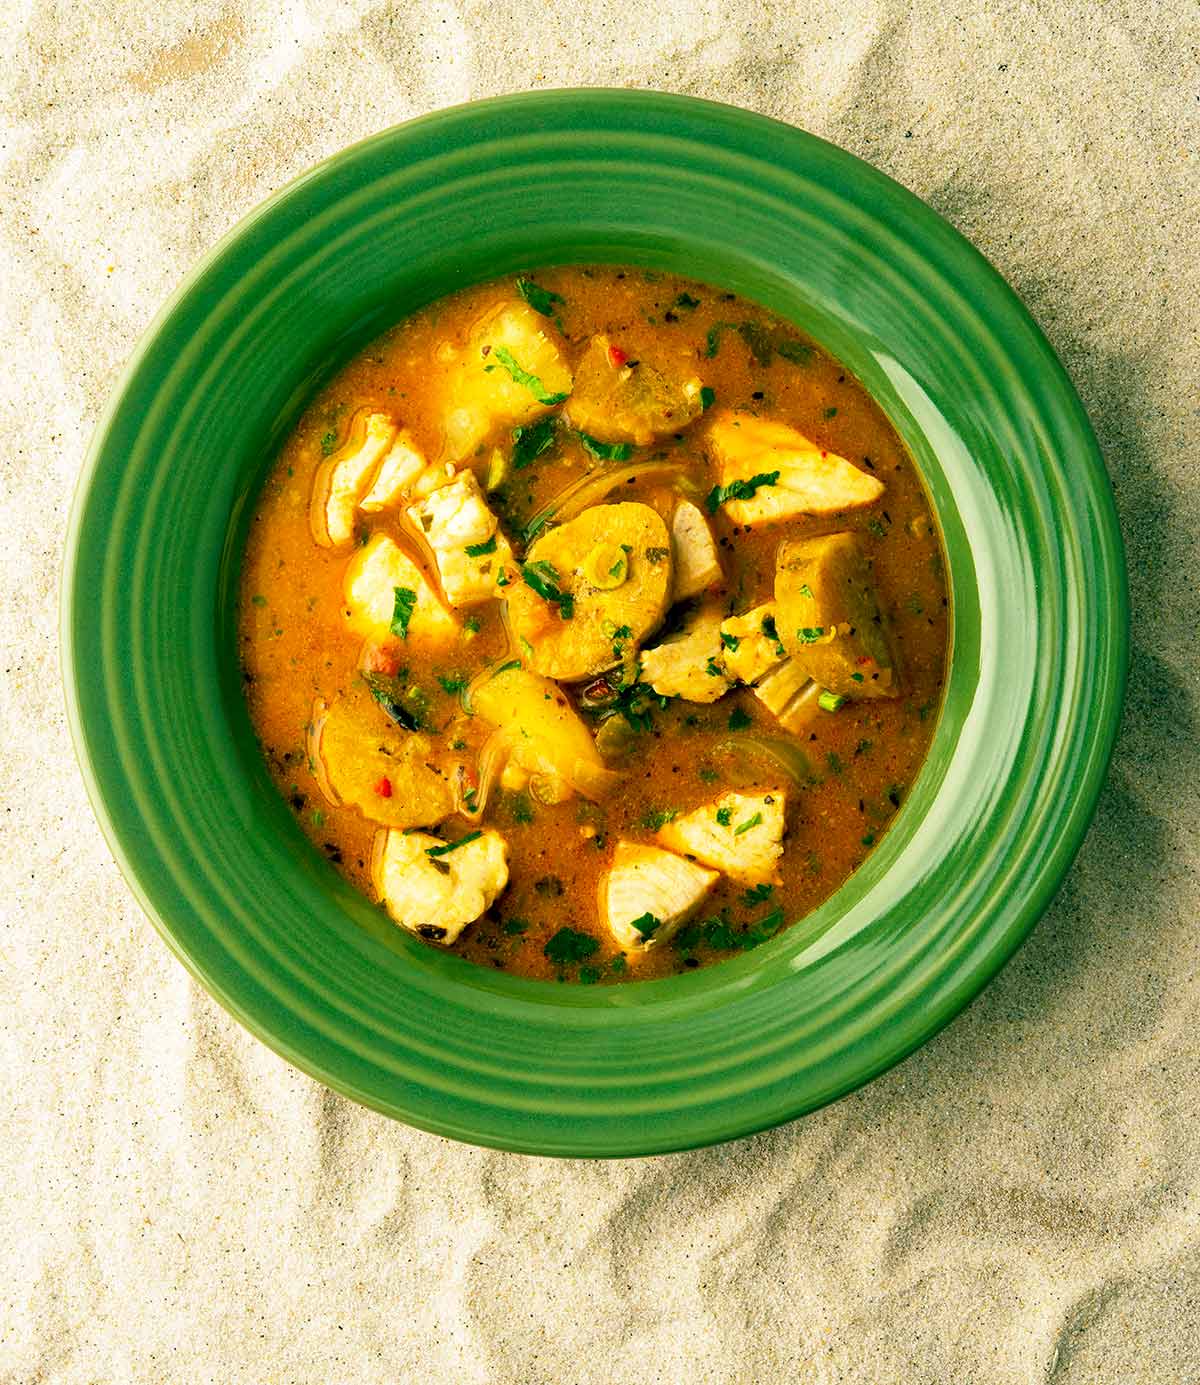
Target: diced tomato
x: 384, y: 787
x: 380, y: 658
x: 617, y: 357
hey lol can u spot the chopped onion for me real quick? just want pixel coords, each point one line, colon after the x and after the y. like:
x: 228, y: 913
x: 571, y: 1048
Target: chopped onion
x: 593, y: 488
x: 785, y: 753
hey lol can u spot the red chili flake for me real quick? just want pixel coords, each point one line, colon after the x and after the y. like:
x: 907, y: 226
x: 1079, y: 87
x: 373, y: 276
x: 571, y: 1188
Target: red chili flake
x: 384, y: 787
x: 617, y: 357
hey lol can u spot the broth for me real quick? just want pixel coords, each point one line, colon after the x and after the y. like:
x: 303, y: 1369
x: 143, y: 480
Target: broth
x: 376, y: 697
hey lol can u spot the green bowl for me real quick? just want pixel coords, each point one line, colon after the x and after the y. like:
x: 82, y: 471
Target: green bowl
x: 1034, y: 560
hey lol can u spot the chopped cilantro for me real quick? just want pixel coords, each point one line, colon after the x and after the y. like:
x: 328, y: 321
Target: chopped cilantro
x: 473, y: 624
x: 656, y: 555
x: 709, y: 776
x: 869, y: 839
x: 686, y: 301
x: 712, y: 342
x: 404, y: 706
x: 454, y: 684
x: 447, y: 847
x: 514, y: 927
x: 738, y: 490
x: 531, y: 441
x: 724, y: 816
x: 481, y: 550
x: 712, y: 668
x: 539, y: 299
x: 876, y: 528
x: 569, y: 945
x: 606, y: 451
x: 658, y: 817
x: 328, y: 443
x: 758, y: 894
x: 729, y: 641
x: 258, y: 599
x: 523, y: 377
x: 747, y: 825
x: 402, y: 608
x: 708, y: 397
x: 834, y: 761
x: 647, y: 925
x: 856, y: 677
x: 739, y: 719
x: 810, y: 634
x: 522, y: 809
x: 542, y: 577
x: 831, y: 413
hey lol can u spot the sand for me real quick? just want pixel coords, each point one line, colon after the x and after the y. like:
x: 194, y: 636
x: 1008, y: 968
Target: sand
x: 1018, y: 1202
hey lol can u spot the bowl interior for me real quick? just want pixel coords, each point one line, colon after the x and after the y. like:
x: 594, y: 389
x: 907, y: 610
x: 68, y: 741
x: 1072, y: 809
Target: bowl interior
x: 1033, y: 564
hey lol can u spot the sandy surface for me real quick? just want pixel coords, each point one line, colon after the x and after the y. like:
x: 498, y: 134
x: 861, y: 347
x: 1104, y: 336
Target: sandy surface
x: 1018, y: 1202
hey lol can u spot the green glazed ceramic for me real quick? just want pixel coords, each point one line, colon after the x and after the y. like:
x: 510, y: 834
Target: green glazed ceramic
x: 1034, y: 557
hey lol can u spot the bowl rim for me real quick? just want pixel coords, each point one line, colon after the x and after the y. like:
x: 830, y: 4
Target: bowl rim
x: 1073, y: 820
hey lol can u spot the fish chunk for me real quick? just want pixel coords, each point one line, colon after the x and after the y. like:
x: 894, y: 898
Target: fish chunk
x: 647, y: 893
x: 373, y: 577
x: 398, y: 472
x: 740, y: 834
x: 394, y: 777
x: 697, y: 565
x: 345, y: 477
x: 613, y: 562
x: 829, y: 619
x: 512, y: 370
x: 810, y: 481
x: 437, y: 896
x: 455, y: 520
x: 619, y: 400
x: 752, y: 644
x: 790, y: 695
x: 689, y: 664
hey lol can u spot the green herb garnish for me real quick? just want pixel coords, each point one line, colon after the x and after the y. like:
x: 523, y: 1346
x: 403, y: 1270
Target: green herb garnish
x: 514, y: 927
x: 402, y: 608
x: 830, y: 701
x: 747, y: 825
x: 569, y: 945
x: 739, y: 719
x: 447, y: 847
x: 647, y: 925
x: 539, y: 299
x: 328, y: 443
x: 481, y: 550
x: 758, y: 894
x: 738, y: 490
x: 658, y: 817
x: 606, y: 451
x: 810, y: 634
x: 712, y: 342
x: 724, y: 816
x: 729, y: 641
x: 521, y: 376
x: 531, y: 441
x: 542, y: 577
x: 708, y: 397
x: 686, y: 302
x: 454, y: 684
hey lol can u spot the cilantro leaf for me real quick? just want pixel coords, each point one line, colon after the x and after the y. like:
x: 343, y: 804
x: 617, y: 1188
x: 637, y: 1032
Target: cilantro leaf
x: 647, y: 925
x: 606, y: 451
x: 521, y: 376
x: 724, y: 816
x: 708, y: 397
x: 738, y: 490
x: 739, y: 719
x: 569, y: 945
x: 402, y: 608
x: 480, y: 550
x: 531, y: 441
x: 543, y: 578
x: 810, y: 634
x: 539, y: 299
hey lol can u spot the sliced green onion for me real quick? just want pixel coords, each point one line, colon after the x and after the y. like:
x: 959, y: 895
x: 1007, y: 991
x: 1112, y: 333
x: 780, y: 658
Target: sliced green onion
x: 830, y: 701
